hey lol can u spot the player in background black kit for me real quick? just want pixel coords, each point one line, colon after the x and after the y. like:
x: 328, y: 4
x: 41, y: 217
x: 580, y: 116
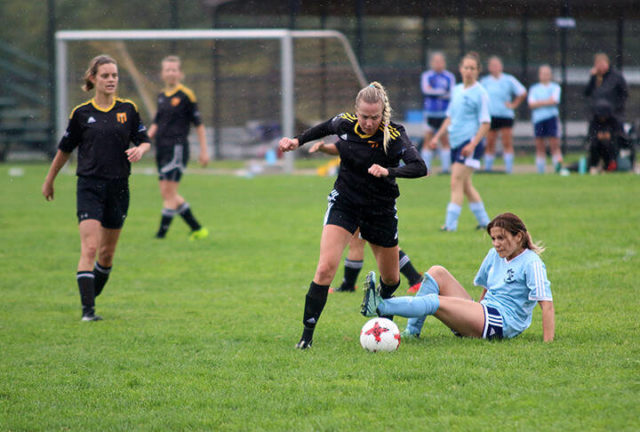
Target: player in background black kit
x: 177, y: 109
x: 102, y: 129
x: 354, y: 260
x: 364, y: 195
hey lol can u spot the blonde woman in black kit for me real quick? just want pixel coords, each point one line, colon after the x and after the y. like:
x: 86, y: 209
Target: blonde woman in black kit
x: 102, y: 129
x: 364, y: 195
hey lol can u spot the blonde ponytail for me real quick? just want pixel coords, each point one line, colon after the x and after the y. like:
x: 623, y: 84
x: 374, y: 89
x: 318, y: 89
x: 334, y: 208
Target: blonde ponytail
x: 375, y: 93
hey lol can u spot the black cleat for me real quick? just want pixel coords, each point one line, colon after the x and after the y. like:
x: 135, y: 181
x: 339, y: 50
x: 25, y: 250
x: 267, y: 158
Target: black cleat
x: 481, y: 227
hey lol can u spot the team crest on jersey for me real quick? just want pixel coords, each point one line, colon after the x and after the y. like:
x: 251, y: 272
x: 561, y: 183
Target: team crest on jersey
x: 175, y: 101
x: 91, y: 120
x: 510, y: 277
x: 121, y: 117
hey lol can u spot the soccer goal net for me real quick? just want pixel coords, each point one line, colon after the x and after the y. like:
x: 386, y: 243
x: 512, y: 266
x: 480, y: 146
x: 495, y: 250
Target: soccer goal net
x: 252, y: 86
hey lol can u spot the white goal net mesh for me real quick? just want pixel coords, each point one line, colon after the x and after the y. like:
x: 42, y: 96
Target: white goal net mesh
x: 249, y: 89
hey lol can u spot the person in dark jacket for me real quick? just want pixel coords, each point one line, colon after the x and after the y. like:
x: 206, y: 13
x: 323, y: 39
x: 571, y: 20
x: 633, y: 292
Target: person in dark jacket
x: 604, y: 136
x: 608, y: 84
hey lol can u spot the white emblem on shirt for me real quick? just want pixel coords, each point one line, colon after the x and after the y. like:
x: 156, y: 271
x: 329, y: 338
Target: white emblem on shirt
x: 91, y: 120
x: 343, y: 137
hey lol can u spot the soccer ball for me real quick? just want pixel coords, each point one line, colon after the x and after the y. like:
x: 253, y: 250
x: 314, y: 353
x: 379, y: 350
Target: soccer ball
x: 380, y: 334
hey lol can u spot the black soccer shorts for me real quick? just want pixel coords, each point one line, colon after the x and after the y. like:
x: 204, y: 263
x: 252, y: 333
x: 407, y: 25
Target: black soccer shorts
x: 378, y: 225
x: 105, y: 200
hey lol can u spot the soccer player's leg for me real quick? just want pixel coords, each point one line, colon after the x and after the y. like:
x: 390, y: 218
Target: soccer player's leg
x: 115, y: 214
x: 463, y: 316
x: 409, y: 271
x: 475, y: 200
x: 458, y: 174
x: 490, y: 154
x: 439, y: 281
x: 507, y: 145
x: 91, y: 200
x: 334, y: 239
x: 89, y: 241
x: 166, y: 173
x: 104, y: 264
x: 383, y: 239
x: 445, y: 153
x: 352, y: 264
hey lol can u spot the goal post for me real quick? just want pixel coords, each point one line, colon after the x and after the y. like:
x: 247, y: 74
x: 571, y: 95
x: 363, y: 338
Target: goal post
x: 287, y: 61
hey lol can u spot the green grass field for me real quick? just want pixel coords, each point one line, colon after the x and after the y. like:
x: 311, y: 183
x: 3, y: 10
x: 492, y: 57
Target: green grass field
x: 199, y: 336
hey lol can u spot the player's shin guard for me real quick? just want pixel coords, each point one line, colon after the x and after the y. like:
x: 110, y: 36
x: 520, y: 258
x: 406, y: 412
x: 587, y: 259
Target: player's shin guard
x: 407, y: 269
x: 445, y: 159
x: 165, y: 222
x: 386, y: 292
x: 351, y: 271
x: 87, y: 291
x: 101, y: 275
x: 411, y: 307
x: 508, y: 162
x: 429, y: 286
x: 185, y: 211
x: 477, y: 208
x: 314, y: 304
x: 453, y: 213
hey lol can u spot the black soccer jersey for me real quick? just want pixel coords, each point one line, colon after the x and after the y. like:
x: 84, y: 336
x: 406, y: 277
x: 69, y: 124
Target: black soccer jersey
x: 358, y: 151
x: 102, y: 136
x: 176, y: 111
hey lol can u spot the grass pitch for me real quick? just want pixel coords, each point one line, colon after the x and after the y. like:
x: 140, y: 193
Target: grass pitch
x: 199, y: 336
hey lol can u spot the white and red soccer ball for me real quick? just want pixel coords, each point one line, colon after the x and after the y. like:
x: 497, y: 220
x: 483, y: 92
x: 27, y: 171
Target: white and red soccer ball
x: 380, y: 334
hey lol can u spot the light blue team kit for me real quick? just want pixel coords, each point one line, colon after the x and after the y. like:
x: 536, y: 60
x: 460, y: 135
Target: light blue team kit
x: 502, y: 90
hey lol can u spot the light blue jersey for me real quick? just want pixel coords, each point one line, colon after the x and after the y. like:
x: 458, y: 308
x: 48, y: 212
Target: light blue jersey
x: 436, y: 88
x: 514, y: 287
x: 502, y: 90
x: 540, y: 92
x: 468, y: 108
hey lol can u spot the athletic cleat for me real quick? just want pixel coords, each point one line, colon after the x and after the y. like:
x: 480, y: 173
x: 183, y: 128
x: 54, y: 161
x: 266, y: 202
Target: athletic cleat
x: 91, y: 316
x: 160, y: 236
x: 406, y: 335
x: 481, y: 227
x: 342, y: 288
x: 304, y: 344
x: 200, y: 234
x: 444, y: 228
x: 371, y: 298
x: 414, y: 288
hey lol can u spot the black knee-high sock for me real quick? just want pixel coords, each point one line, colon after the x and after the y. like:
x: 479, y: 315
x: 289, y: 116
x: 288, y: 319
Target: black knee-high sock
x: 87, y: 292
x: 165, y: 221
x: 185, y: 211
x: 101, y: 274
x: 408, y: 270
x: 314, y: 303
x: 386, y: 291
x: 351, y: 271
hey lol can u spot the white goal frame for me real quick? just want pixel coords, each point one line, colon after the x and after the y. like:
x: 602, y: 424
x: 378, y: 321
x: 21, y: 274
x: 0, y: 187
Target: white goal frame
x: 286, y: 61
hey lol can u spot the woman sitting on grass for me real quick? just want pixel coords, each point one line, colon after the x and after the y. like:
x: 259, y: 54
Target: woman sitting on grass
x: 514, y: 280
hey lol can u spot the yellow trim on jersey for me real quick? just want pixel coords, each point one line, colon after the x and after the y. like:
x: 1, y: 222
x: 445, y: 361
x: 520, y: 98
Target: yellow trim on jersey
x: 79, y: 106
x: 95, y: 105
x: 168, y: 93
x: 393, y: 132
x: 186, y: 90
x: 361, y: 135
x: 349, y: 116
x: 123, y: 100
x: 190, y: 94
